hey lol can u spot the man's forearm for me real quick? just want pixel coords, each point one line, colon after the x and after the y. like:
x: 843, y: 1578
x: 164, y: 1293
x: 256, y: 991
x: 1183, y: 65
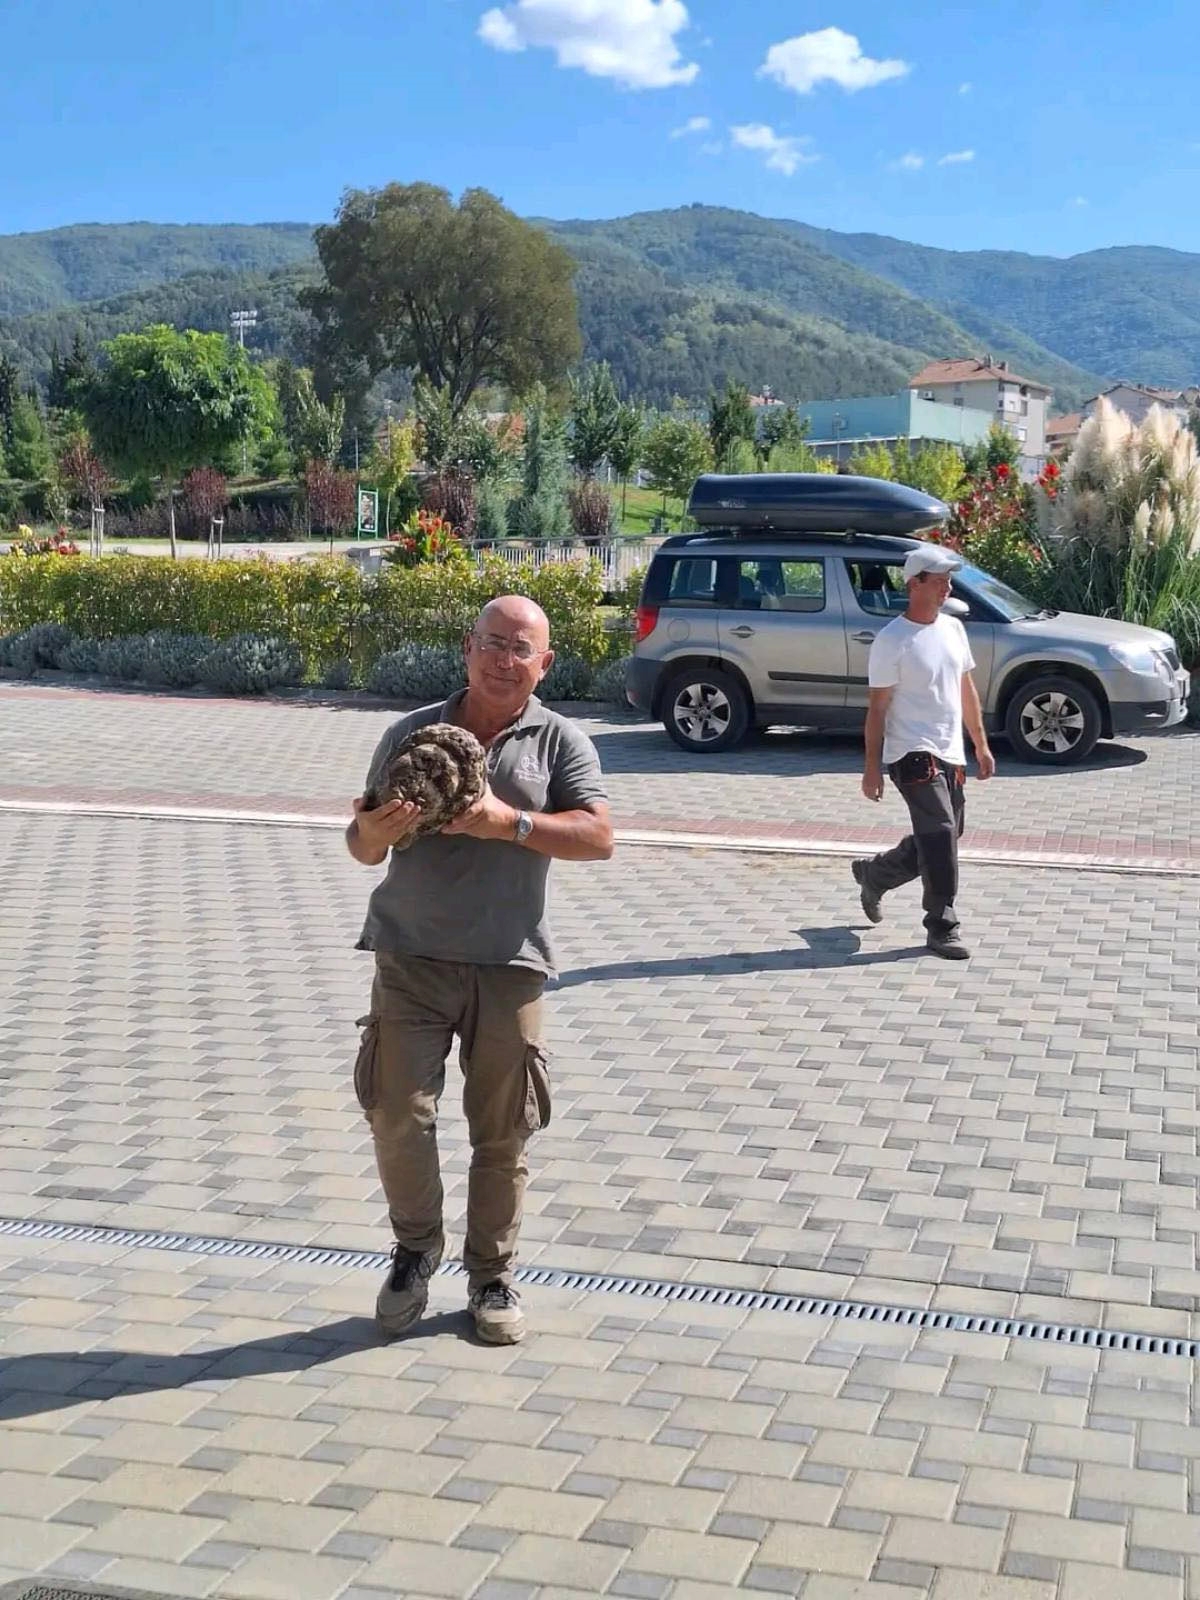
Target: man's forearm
x: 361, y: 852
x: 873, y: 740
x: 973, y: 713
x: 570, y: 835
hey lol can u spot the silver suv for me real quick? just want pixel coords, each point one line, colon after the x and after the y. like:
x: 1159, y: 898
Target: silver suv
x: 766, y: 616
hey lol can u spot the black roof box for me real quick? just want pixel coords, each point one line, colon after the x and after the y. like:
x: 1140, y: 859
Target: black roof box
x: 810, y: 502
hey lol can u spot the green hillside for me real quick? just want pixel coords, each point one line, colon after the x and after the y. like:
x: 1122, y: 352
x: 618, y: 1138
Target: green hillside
x: 757, y: 264
x: 1132, y: 311
x: 676, y: 301
x: 95, y: 261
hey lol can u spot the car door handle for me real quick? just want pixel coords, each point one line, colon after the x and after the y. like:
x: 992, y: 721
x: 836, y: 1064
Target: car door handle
x: 742, y: 633
x: 865, y: 637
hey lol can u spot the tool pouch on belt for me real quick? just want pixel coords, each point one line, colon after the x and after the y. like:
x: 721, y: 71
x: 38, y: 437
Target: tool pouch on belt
x: 922, y: 766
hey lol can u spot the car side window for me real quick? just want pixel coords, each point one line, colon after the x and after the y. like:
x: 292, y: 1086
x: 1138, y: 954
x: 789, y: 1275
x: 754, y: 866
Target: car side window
x: 878, y: 587
x: 693, y: 582
x: 771, y: 583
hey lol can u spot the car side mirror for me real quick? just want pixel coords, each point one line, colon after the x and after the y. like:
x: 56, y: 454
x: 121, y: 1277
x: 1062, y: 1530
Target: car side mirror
x: 956, y: 608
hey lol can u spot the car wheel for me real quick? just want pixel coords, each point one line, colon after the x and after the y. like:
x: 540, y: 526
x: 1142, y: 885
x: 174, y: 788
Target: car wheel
x: 1053, y: 722
x: 706, y: 710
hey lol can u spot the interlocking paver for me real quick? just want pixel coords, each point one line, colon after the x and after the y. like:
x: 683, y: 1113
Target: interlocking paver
x: 243, y: 753
x: 751, y: 1089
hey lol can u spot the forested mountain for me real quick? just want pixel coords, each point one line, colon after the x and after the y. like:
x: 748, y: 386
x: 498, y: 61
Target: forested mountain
x: 676, y: 301
x: 95, y: 261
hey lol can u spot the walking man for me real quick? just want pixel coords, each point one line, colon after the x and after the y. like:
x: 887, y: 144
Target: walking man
x: 462, y: 947
x: 921, y: 694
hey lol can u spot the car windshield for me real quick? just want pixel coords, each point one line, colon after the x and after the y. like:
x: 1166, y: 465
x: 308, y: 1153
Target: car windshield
x: 1011, y: 605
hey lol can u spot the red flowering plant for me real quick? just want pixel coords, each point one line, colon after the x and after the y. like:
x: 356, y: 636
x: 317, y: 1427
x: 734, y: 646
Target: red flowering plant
x: 58, y: 543
x: 426, y: 536
x: 994, y: 526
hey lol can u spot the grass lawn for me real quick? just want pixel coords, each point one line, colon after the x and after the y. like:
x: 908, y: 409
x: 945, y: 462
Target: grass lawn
x: 641, y: 508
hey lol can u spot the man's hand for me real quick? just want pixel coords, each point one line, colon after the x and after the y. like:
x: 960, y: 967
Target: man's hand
x: 872, y: 784
x: 488, y: 818
x: 985, y: 761
x: 385, y: 826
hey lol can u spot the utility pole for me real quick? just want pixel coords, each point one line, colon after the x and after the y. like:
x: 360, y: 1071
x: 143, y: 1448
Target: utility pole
x: 242, y: 320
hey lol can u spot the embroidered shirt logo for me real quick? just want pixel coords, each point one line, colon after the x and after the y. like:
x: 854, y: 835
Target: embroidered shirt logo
x: 529, y: 770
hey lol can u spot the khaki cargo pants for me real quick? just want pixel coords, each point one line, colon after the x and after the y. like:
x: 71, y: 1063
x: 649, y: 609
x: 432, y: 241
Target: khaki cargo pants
x: 417, y: 1008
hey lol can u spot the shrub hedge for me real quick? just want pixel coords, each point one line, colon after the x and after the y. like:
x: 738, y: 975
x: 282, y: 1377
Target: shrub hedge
x: 330, y: 611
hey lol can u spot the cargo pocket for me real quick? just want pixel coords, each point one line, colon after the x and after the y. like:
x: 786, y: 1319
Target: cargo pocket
x: 535, y: 1100
x: 366, y: 1065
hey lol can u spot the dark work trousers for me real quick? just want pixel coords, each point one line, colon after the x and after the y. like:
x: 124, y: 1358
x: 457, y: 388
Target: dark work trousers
x: 933, y: 793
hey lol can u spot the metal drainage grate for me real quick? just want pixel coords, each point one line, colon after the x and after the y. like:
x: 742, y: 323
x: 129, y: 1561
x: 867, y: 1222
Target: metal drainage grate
x: 37, y: 1589
x: 657, y: 1289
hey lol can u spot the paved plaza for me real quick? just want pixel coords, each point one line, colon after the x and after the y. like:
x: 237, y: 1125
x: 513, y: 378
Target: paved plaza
x: 795, y: 1167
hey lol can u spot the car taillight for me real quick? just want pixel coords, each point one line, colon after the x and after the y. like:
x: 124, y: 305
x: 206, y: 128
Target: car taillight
x: 645, y: 620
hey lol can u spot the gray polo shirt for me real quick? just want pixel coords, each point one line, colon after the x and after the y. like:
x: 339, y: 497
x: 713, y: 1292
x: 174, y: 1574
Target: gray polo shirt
x: 483, y: 901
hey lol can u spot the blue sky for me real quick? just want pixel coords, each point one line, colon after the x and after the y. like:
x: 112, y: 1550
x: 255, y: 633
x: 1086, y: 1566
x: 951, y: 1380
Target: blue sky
x: 1051, y: 127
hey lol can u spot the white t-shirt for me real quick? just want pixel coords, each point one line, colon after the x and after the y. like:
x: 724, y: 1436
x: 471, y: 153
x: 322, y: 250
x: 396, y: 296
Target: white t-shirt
x: 924, y: 664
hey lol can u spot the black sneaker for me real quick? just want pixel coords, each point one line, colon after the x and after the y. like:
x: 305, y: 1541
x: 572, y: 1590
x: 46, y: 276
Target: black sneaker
x: 498, y: 1315
x: 405, y: 1291
x: 872, y: 909
x: 949, y: 946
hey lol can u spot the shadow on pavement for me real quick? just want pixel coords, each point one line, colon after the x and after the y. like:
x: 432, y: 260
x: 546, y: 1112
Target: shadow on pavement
x: 826, y: 947
x: 31, y: 1385
x: 788, y: 753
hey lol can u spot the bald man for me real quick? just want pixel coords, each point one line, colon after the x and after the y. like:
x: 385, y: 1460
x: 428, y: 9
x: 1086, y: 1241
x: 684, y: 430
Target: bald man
x: 462, y: 948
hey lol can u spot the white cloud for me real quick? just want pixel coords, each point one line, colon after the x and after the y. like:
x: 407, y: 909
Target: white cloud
x: 956, y: 158
x: 781, y: 152
x: 911, y: 162
x: 827, y: 56
x: 692, y: 125
x: 965, y: 88
x: 631, y: 41
x: 1080, y: 201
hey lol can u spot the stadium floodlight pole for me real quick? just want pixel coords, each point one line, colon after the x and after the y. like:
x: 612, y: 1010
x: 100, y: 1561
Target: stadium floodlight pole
x: 242, y: 320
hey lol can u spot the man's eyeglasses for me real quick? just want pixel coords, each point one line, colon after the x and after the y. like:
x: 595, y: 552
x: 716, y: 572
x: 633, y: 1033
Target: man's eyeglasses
x: 518, y: 649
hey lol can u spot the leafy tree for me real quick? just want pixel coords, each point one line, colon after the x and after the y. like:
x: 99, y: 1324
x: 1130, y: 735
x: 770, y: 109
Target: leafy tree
x: 591, y: 510
x: 466, y: 294
x: 780, y: 425
x: 82, y: 472
x: 798, y: 457
x: 169, y: 401
x: 625, y: 452
x: 874, y: 461
x: 935, y: 468
x: 389, y: 466
x: 318, y: 426
x: 595, y: 417
x: 329, y: 496
x: 205, y: 493
x: 730, y: 422
x: 487, y: 451
x: 676, y: 452
x: 1000, y: 448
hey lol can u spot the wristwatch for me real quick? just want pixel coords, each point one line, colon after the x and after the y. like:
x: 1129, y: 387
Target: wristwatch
x: 524, y: 827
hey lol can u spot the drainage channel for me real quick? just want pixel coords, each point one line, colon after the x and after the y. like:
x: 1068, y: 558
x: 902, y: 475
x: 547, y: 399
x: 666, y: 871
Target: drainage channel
x: 659, y: 1290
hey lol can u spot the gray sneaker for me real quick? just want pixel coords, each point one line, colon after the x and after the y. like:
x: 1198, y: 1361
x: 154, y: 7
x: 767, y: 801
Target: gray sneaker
x: 872, y: 909
x: 949, y: 946
x: 498, y: 1315
x: 405, y: 1291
